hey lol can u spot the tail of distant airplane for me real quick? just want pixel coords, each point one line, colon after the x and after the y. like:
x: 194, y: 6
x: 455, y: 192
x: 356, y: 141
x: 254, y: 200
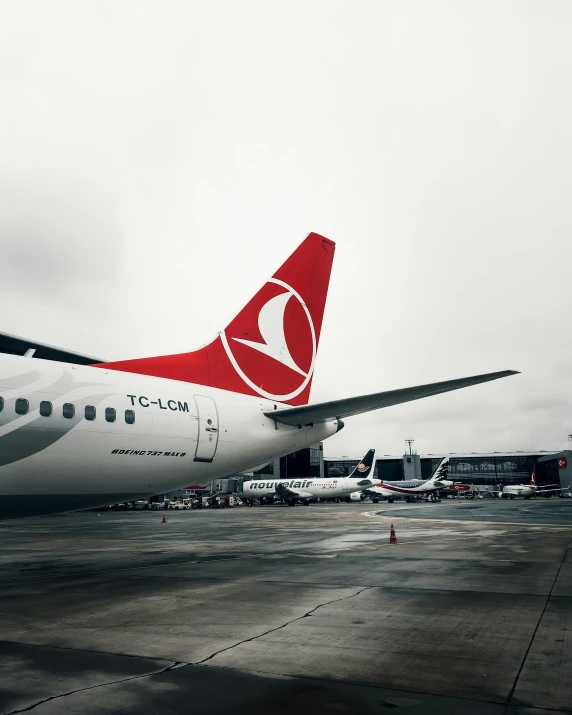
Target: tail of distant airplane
x: 441, y: 471
x: 366, y: 467
x: 269, y: 349
x: 532, y: 481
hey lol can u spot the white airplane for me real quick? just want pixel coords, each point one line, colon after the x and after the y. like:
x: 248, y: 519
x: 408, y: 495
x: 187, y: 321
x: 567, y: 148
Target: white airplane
x: 412, y: 487
x: 510, y: 491
x: 74, y: 436
x: 304, y: 490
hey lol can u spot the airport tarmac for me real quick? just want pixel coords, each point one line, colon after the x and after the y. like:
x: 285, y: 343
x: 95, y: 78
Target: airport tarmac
x: 290, y: 610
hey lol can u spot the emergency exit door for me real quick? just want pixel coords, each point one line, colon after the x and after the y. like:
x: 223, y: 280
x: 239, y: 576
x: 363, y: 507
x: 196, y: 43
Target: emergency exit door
x: 207, y: 439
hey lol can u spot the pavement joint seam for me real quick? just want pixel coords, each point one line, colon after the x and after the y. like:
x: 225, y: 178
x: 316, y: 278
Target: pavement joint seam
x: 548, y: 597
x: 92, y: 687
x: 284, y: 625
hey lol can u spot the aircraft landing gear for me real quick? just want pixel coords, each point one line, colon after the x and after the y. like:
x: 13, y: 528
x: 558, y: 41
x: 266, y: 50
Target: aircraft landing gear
x: 390, y: 500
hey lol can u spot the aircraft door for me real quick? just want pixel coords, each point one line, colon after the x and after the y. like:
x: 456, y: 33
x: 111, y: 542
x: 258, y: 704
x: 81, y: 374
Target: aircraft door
x: 345, y: 483
x: 207, y: 438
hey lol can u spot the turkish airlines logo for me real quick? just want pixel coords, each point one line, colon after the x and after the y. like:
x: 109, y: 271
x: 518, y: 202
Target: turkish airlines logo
x: 562, y: 462
x: 284, y: 333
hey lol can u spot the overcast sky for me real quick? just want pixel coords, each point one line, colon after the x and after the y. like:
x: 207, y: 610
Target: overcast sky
x: 159, y: 160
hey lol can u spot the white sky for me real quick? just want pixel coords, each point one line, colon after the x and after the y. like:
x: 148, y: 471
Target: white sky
x: 159, y: 160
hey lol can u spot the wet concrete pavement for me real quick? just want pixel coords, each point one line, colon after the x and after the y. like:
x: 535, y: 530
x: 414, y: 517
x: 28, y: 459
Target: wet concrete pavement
x: 277, y: 609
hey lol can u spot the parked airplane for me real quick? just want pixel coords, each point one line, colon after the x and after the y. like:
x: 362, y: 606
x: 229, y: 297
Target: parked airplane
x: 510, y: 491
x: 304, y: 490
x: 74, y: 436
x: 412, y: 487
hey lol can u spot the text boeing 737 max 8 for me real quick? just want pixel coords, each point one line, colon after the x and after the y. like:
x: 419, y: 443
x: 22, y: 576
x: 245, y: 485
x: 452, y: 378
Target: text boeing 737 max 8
x: 79, y: 436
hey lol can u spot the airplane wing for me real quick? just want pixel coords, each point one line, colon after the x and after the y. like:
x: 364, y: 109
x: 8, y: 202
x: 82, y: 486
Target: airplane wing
x: 336, y: 409
x: 287, y: 493
x: 552, y: 488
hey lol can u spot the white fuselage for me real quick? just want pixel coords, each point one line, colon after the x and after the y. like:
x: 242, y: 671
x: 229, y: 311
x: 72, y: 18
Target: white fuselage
x: 415, y: 486
x: 181, y: 433
x: 519, y: 490
x: 311, y: 488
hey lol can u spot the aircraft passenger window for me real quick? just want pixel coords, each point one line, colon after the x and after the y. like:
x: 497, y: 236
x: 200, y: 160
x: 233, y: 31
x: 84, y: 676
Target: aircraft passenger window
x: 89, y: 412
x: 1, y: 404
x: 68, y: 410
x: 110, y: 414
x: 130, y: 417
x: 22, y: 406
x: 45, y: 408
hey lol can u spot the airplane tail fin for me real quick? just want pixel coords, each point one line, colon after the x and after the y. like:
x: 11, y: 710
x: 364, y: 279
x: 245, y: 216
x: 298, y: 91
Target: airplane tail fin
x: 366, y: 468
x: 532, y: 481
x: 441, y: 471
x: 269, y: 349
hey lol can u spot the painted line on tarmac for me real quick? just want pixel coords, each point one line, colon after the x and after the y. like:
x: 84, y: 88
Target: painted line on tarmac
x: 466, y: 536
x: 373, y: 514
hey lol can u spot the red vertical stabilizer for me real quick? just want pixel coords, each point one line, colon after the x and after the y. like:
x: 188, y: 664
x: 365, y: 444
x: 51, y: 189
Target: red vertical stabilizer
x: 269, y: 349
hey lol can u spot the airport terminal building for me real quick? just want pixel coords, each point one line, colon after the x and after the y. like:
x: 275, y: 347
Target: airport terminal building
x: 488, y: 470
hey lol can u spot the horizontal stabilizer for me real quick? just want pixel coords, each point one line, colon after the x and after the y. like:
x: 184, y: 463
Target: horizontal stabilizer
x: 14, y: 345
x: 336, y: 409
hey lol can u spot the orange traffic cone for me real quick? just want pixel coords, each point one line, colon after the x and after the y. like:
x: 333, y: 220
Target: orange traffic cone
x: 392, y: 537
x: 164, y: 520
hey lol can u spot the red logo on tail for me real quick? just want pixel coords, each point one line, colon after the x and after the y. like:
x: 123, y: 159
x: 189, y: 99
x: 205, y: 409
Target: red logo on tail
x: 283, y: 332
